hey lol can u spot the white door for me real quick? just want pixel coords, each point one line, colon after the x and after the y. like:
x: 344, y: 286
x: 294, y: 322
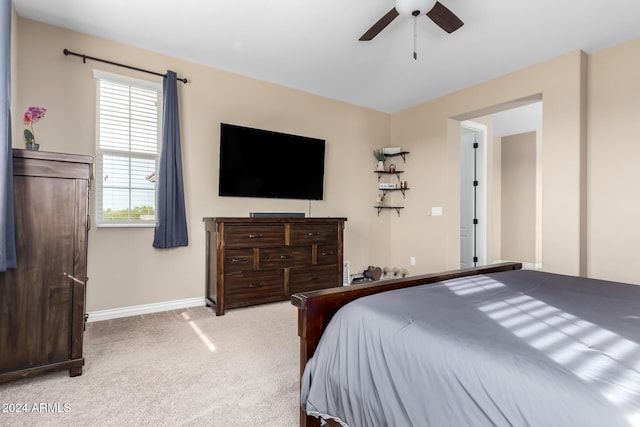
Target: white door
x: 473, y: 185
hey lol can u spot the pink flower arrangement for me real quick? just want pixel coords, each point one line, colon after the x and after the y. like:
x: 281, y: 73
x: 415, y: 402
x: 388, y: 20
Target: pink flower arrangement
x: 31, y: 116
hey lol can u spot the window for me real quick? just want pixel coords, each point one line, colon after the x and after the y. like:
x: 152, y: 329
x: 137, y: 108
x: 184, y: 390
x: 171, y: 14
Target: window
x: 128, y: 150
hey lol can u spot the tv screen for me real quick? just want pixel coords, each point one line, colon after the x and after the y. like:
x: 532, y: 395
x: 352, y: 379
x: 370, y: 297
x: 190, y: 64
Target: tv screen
x: 261, y: 163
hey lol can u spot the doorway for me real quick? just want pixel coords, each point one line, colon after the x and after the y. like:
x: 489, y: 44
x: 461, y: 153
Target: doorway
x: 501, y: 186
x: 473, y: 194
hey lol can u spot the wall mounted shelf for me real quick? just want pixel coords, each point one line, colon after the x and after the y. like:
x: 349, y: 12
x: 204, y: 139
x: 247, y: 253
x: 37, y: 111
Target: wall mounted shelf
x: 384, y: 191
x: 396, y: 173
x: 397, y: 208
x: 401, y: 187
x: 402, y: 154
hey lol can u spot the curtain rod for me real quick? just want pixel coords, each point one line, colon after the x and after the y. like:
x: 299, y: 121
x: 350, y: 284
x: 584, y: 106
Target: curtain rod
x: 85, y: 57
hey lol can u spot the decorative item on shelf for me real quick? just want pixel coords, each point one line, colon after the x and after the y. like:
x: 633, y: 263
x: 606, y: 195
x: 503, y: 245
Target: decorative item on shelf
x: 379, y: 155
x: 31, y: 116
x: 392, y: 167
x: 380, y: 199
x: 391, y: 150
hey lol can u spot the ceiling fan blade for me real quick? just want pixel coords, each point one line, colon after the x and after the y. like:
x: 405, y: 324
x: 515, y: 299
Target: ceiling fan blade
x: 380, y: 25
x: 444, y: 18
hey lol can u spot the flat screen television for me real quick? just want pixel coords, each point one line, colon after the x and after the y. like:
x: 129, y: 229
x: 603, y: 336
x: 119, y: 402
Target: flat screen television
x: 267, y: 164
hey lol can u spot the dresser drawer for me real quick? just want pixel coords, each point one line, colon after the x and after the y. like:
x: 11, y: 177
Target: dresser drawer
x: 304, y: 279
x: 304, y: 234
x: 327, y: 254
x: 254, y: 286
x: 253, y: 235
x: 285, y: 256
x: 236, y: 260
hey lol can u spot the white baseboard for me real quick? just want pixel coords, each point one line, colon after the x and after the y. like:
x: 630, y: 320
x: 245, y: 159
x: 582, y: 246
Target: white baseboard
x: 115, y: 313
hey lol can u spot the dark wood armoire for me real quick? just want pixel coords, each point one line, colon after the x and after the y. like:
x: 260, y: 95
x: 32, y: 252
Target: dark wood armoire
x: 42, y: 302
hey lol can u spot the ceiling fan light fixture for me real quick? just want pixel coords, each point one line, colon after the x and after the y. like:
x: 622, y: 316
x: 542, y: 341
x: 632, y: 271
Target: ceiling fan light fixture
x: 414, y: 7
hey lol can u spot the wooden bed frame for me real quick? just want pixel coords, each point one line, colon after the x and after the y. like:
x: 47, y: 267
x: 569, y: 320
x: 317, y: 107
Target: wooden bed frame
x: 316, y: 308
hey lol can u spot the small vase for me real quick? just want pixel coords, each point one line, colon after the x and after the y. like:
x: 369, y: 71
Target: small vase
x: 32, y: 146
x: 380, y: 166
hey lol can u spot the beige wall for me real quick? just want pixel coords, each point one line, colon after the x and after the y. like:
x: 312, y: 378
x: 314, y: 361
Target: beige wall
x: 613, y: 163
x: 124, y: 270
x: 432, y: 131
x: 495, y: 203
x: 518, y: 193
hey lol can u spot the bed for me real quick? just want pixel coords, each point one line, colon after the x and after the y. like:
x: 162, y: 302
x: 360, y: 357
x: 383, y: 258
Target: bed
x: 495, y: 345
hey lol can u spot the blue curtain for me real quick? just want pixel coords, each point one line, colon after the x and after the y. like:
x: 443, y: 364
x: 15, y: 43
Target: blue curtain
x: 7, y: 230
x: 171, y: 225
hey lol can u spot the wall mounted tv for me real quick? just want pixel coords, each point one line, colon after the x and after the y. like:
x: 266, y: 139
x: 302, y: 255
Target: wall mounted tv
x: 262, y: 163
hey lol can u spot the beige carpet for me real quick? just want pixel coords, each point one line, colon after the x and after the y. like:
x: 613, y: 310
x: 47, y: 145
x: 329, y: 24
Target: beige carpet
x: 181, y: 367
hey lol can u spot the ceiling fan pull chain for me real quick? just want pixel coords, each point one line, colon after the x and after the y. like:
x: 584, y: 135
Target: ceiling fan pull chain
x: 415, y: 37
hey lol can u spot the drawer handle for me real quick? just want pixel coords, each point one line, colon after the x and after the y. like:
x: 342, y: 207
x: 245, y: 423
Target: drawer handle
x: 311, y: 233
x: 256, y: 285
x: 326, y: 253
x: 286, y: 256
x: 255, y: 236
x: 238, y: 260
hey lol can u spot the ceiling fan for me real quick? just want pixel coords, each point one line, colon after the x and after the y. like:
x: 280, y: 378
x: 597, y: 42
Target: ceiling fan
x: 434, y: 10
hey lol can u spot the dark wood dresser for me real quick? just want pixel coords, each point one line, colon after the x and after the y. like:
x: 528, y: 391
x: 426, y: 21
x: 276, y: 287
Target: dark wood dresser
x: 42, y: 308
x: 257, y: 260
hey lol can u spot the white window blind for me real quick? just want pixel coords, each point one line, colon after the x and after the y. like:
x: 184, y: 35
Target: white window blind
x: 128, y: 149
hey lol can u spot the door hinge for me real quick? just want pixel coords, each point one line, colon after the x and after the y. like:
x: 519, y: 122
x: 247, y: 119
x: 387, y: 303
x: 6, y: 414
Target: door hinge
x: 475, y: 183
x: 475, y: 145
x: 475, y: 221
x: 475, y: 259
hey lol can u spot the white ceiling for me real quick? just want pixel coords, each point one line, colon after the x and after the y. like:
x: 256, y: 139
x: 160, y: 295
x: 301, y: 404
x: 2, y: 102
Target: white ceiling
x: 312, y: 45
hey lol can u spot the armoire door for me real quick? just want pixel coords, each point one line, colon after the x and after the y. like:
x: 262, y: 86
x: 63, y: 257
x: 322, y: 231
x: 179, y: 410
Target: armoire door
x: 42, y: 301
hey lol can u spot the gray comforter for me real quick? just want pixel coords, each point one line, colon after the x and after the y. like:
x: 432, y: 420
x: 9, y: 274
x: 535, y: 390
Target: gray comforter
x: 517, y: 348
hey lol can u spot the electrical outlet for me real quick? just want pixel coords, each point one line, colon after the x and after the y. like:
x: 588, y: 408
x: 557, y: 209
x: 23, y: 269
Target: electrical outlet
x: 413, y: 260
x: 436, y: 211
